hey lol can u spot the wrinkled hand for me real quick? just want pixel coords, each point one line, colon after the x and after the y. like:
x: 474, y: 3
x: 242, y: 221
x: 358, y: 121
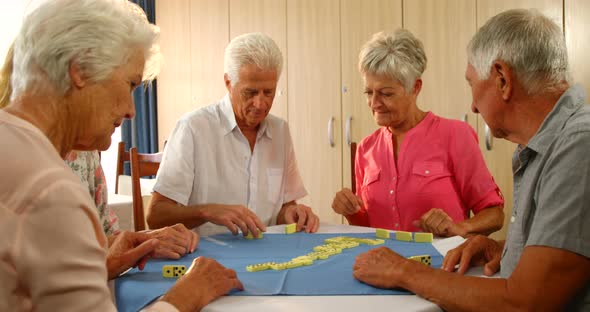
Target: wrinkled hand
x: 175, y: 241
x: 476, y: 251
x: 346, y: 202
x: 379, y: 267
x: 439, y: 223
x: 235, y: 217
x: 204, y: 281
x: 129, y: 249
x: 303, y: 216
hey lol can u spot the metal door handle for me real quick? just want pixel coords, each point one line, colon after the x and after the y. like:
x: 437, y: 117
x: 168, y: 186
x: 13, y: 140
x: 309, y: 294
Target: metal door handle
x: 331, y: 131
x: 348, y: 137
x: 488, y: 138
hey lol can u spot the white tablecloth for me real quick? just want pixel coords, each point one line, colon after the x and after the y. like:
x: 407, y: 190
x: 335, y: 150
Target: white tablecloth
x: 332, y: 303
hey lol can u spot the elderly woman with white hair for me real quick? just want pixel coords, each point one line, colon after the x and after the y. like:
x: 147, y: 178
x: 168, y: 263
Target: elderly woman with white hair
x: 418, y: 172
x: 75, y: 63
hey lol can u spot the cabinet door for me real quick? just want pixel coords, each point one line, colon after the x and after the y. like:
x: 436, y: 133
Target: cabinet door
x: 445, y: 28
x: 194, y: 34
x: 313, y: 40
x: 209, y: 29
x: 174, y: 80
x: 360, y: 19
x: 498, y: 153
x: 269, y: 17
x: 576, y: 35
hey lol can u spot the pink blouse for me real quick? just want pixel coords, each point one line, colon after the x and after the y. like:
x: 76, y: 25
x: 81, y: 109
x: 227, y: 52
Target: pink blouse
x: 439, y: 165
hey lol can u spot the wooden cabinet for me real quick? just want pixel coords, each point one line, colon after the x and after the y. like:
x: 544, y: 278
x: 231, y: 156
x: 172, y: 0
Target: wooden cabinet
x: 498, y: 153
x: 194, y: 34
x: 577, y: 13
x: 445, y: 28
x: 313, y: 34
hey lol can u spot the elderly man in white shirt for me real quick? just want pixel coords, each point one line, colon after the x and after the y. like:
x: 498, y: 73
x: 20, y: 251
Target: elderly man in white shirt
x: 231, y: 164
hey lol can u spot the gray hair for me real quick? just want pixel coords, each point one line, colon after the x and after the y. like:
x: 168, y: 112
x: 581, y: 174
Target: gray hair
x: 531, y: 43
x: 96, y: 35
x: 252, y: 48
x: 399, y: 56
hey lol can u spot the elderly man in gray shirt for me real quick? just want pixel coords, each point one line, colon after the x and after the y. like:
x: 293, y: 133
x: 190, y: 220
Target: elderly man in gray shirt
x: 519, y: 77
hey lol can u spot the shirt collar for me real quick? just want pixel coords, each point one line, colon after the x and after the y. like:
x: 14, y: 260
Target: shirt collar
x: 569, y: 102
x: 229, y: 123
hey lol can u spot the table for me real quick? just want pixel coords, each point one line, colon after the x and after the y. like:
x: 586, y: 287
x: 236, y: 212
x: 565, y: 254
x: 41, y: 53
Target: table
x: 332, y: 303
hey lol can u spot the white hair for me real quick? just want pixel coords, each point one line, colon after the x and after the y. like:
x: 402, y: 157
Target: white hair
x: 252, y: 48
x: 531, y: 43
x: 96, y: 35
x: 399, y: 56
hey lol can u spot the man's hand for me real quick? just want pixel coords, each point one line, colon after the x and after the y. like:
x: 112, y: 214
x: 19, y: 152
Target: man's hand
x: 346, y: 202
x: 379, y: 267
x: 234, y: 217
x: 203, y: 282
x: 175, y: 241
x: 129, y: 249
x: 476, y: 251
x: 300, y: 214
x: 439, y: 223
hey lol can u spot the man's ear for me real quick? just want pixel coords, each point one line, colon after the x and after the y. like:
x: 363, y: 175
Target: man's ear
x: 78, y: 80
x: 503, y: 79
x: 227, y: 82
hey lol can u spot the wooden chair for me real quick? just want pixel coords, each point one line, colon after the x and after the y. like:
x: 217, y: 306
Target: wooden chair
x: 141, y: 165
x: 122, y: 157
x: 352, y: 160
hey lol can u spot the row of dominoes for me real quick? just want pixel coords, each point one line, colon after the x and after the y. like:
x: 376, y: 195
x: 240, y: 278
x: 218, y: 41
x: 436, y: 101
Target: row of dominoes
x: 332, y: 246
x: 418, y: 237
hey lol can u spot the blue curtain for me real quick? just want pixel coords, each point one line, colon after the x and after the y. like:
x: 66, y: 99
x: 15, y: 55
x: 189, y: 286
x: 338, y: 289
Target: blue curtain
x: 142, y: 131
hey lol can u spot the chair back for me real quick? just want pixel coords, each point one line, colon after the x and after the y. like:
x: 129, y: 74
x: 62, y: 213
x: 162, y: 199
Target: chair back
x: 122, y: 157
x: 141, y: 165
x: 352, y: 161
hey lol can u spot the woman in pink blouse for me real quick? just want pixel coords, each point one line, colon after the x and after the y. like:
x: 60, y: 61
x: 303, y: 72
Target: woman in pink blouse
x: 418, y: 172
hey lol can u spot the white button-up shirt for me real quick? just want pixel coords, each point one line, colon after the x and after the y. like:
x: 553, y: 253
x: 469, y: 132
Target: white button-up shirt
x: 209, y: 161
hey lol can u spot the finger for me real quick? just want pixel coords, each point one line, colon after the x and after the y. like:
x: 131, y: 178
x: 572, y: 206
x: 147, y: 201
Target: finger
x: 312, y: 224
x: 352, y: 204
x: 492, y: 267
x: 465, y: 261
x: 342, y: 205
x: 451, y: 260
x: 167, y: 254
x: 242, y: 226
x: 302, y: 217
x: 194, y: 241
x: 132, y: 257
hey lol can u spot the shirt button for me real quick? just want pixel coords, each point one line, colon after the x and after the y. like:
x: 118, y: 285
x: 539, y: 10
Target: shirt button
x: 512, y: 219
x: 390, y: 191
x: 397, y: 225
x: 427, y: 172
x: 393, y: 208
x: 394, y: 178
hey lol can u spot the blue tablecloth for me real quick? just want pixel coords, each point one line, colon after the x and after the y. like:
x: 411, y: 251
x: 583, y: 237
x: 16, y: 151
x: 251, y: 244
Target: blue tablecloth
x: 332, y: 276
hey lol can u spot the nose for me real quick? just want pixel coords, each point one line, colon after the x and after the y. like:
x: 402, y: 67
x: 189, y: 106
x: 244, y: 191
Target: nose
x: 374, y: 101
x: 130, y: 111
x: 260, y: 101
x: 473, y: 108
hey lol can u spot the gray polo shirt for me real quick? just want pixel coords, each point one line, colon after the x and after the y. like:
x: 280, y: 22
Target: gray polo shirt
x: 552, y: 188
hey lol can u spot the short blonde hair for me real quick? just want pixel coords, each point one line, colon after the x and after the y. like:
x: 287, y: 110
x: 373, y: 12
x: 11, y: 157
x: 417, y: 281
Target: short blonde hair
x: 399, y: 56
x: 252, y: 48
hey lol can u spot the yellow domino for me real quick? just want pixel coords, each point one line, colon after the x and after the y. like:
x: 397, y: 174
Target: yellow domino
x: 382, y: 233
x: 259, y: 267
x: 423, y: 237
x: 173, y: 270
x: 250, y: 236
x: 291, y: 228
x: 403, y: 236
x: 425, y: 259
